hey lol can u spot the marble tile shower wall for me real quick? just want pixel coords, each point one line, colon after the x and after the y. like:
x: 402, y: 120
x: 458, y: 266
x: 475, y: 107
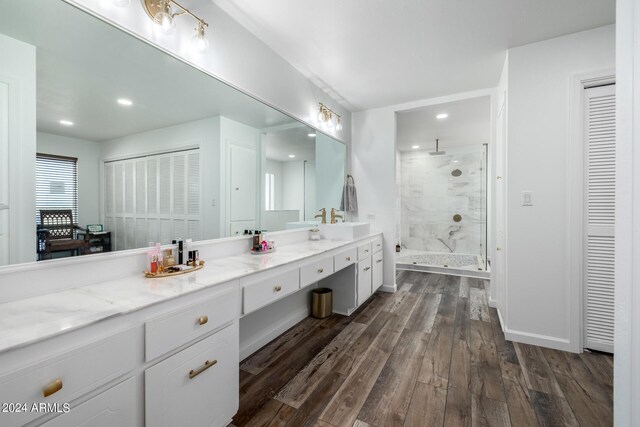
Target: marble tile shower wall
x: 431, y: 195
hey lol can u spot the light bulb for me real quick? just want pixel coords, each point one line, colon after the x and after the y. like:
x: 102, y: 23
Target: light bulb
x: 339, y: 126
x: 121, y: 3
x: 166, y: 22
x: 199, y: 41
x: 320, y: 116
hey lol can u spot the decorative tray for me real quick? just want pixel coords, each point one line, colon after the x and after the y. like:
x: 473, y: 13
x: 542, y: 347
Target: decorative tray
x: 268, y: 251
x: 174, y: 273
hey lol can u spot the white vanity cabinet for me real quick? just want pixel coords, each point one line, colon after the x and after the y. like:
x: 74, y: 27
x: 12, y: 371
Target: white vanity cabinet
x: 197, y: 386
x: 114, y: 407
x: 266, y: 288
x: 364, y: 280
x: 377, y: 268
x: 68, y: 376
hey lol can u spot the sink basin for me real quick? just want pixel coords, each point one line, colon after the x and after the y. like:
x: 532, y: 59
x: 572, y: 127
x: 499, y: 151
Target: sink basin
x: 345, y: 230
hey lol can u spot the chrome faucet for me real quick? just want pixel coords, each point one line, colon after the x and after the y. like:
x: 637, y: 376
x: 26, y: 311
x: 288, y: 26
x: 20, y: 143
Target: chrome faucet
x: 323, y: 215
x: 334, y: 216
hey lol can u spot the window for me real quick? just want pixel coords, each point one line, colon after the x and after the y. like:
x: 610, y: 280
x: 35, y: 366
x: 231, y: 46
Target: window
x: 56, y: 184
x: 270, y: 183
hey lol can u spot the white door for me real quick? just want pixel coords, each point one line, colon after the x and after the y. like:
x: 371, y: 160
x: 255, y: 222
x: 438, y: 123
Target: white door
x: 364, y: 280
x: 4, y: 174
x: 498, y: 262
x: 599, y: 253
x: 242, y: 183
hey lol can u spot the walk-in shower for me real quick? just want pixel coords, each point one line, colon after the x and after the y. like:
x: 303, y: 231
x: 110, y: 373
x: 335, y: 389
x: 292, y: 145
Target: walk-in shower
x: 443, y: 198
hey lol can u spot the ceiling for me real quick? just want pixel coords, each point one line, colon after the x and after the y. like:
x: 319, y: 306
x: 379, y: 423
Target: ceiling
x: 85, y: 65
x: 468, y: 123
x: 294, y: 140
x: 374, y: 53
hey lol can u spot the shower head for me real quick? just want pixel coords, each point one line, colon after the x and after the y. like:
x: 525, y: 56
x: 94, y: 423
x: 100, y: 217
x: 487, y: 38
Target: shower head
x: 437, y: 153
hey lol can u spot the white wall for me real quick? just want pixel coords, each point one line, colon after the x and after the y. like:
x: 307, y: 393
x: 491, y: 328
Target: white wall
x: 88, y: 155
x: 538, y: 303
x: 204, y: 134
x: 627, y: 328
x: 275, y: 167
x: 18, y: 75
x: 235, y: 56
x: 330, y: 173
x: 293, y: 187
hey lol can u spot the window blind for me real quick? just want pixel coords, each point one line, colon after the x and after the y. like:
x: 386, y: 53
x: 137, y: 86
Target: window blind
x: 56, y: 184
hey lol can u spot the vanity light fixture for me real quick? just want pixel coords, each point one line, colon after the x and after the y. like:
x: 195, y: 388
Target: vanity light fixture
x: 442, y: 116
x: 125, y: 102
x: 66, y: 122
x: 160, y: 12
x: 328, y: 117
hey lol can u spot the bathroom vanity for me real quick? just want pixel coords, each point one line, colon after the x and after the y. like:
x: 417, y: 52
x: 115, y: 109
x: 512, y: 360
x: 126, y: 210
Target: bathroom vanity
x: 121, y: 349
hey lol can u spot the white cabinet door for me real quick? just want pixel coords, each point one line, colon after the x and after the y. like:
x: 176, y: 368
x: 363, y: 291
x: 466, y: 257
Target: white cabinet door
x: 197, y: 386
x: 114, y: 407
x: 243, y: 184
x: 364, y: 280
x: 378, y: 271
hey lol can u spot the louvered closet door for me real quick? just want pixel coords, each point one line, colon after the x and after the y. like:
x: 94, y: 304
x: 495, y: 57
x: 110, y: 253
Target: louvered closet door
x: 153, y: 199
x: 599, y: 272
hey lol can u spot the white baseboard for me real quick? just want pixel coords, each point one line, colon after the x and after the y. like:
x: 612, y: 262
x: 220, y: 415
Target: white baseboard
x: 539, y: 340
x: 500, y: 318
x: 391, y: 289
x: 493, y: 303
x: 247, y: 349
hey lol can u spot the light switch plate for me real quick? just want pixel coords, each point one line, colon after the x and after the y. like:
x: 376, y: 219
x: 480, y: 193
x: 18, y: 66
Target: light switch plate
x: 527, y: 198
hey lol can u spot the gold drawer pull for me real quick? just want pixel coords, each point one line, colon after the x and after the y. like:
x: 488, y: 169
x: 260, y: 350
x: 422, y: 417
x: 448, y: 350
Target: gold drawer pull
x: 379, y: 260
x: 52, y: 388
x: 348, y: 258
x: 367, y: 268
x: 277, y: 288
x: 203, y: 319
x: 378, y: 245
x: 366, y: 251
x: 207, y: 365
x: 320, y: 270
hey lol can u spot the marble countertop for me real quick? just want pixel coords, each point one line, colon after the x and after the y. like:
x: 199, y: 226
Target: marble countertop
x: 28, y: 320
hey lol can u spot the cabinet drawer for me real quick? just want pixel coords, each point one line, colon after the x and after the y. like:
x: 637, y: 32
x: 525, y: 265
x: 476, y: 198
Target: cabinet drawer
x: 68, y: 376
x: 364, y: 251
x: 377, y: 268
x: 114, y: 407
x: 315, y: 271
x: 172, y: 330
x: 345, y: 258
x: 197, y: 386
x: 364, y: 280
x: 260, y: 292
x: 376, y: 244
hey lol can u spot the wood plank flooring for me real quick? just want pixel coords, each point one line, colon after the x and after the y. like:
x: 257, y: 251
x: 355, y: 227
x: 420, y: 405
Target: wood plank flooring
x: 432, y: 354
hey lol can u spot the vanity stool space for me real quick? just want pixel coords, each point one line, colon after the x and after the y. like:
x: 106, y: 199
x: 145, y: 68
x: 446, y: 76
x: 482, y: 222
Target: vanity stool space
x: 164, y: 352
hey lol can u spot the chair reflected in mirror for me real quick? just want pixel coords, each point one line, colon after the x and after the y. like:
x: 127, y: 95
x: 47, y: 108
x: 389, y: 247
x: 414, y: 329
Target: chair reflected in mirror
x: 58, y: 233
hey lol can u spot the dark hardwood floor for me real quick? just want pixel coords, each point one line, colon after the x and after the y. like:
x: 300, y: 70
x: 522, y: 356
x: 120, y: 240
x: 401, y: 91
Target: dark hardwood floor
x: 432, y: 354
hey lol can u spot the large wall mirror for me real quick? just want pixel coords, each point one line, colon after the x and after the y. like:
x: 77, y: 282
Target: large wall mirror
x: 142, y: 147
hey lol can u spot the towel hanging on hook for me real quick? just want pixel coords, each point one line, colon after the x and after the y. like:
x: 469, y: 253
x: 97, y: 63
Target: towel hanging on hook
x: 349, y: 202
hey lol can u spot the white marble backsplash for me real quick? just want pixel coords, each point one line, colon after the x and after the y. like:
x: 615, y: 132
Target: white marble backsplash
x: 431, y: 196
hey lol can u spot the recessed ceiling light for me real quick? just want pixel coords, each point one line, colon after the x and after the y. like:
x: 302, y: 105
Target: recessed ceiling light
x: 455, y: 161
x: 311, y: 135
x: 292, y: 156
x: 66, y: 122
x: 442, y: 116
x: 125, y: 102
x: 415, y: 147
